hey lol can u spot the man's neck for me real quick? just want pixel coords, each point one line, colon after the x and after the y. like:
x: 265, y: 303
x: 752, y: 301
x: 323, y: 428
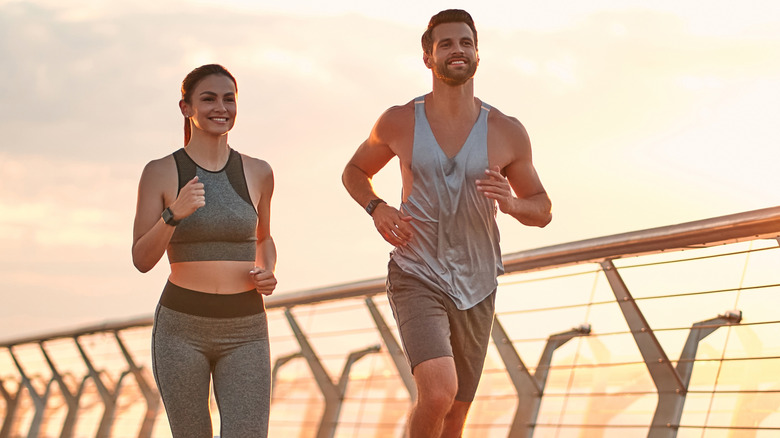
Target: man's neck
x: 450, y: 100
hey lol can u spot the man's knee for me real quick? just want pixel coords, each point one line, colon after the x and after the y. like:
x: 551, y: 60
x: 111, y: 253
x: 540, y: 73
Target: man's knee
x: 437, y: 382
x: 442, y: 396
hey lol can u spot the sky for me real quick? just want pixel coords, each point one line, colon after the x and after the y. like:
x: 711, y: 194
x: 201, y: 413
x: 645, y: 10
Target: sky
x: 641, y: 114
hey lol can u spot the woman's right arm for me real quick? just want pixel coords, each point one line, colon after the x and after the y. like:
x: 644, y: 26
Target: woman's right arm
x: 150, y: 233
x: 156, y: 191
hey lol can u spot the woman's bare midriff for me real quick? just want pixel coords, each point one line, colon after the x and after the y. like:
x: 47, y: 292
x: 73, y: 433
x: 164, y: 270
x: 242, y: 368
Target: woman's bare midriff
x: 217, y: 277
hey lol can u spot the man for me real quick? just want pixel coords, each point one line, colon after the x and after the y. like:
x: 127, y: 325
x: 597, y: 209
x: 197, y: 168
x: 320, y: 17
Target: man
x: 459, y: 159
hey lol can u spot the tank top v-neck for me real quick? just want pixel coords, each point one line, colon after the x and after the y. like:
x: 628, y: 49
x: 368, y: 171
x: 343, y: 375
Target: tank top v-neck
x: 456, y: 239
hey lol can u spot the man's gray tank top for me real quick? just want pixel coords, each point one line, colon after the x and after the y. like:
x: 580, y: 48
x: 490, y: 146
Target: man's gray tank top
x: 456, y: 242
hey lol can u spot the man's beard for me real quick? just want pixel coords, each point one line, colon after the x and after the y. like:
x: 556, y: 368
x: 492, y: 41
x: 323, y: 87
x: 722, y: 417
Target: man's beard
x: 454, y: 78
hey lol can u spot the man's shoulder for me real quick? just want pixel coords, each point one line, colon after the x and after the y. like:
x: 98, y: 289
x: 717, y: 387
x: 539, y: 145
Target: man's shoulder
x: 504, y: 123
x: 399, y: 111
x: 396, y: 119
x: 506, y: 133
x: 498, y: 117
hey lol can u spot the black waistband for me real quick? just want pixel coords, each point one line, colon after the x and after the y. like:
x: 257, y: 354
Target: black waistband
x: 197, y: 303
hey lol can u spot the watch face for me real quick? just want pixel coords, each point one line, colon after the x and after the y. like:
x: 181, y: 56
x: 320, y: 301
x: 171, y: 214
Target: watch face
x: 373, y: 205
x: 167, y: 216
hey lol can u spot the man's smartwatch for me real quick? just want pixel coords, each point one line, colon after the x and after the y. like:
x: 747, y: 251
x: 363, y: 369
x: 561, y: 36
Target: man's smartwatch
x: 372, y: 206
x: 167, y: 217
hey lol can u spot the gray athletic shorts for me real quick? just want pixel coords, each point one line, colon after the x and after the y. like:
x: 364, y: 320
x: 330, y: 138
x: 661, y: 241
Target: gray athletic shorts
x: 432, y: 326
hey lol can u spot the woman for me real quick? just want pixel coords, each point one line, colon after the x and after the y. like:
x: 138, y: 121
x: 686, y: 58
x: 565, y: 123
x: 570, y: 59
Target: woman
x: 209, y: 207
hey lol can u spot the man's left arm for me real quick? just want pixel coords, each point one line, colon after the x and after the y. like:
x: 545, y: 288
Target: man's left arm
x: 529, y: 203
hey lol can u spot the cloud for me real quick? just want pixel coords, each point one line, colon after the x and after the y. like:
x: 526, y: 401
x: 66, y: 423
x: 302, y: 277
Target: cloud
x: 109, y: 84
x: 54, y: 202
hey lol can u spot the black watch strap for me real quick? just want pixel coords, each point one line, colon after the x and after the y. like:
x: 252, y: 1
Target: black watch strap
x: 167, y: 216
x: 373, y: 204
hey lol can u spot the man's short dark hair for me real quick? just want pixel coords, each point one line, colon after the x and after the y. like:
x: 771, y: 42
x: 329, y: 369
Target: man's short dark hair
x: 446, y: 16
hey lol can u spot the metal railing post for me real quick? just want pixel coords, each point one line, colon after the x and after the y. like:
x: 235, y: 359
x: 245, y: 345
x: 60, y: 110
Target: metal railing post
x: 351, y: 359
x: 394, y: 350
x: 529, y: 388
x: 280, y: 362
x: 106, y: 396
x: 698, y: 332
x: 670, y: 388
x: 333, y: 393
x: 11, y: 405
x: 71, y: 399
x: 39, y: 400
x: 553, y: 343
x: 148, y: 390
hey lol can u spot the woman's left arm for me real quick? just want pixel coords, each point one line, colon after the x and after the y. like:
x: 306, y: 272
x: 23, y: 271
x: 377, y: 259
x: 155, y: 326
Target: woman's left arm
x: 265, y: 252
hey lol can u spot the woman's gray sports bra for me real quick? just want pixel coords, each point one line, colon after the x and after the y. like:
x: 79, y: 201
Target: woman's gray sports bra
x: 223, y: 229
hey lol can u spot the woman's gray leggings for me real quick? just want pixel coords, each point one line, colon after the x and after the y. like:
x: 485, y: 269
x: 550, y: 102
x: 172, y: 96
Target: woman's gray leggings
x: 189, y: 350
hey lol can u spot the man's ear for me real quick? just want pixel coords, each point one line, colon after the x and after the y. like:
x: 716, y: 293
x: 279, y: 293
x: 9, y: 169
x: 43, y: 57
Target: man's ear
x: 427, y: 60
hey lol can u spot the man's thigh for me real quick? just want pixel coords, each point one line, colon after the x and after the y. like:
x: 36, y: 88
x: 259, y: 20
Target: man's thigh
x: 470, y: 337
x: 421, y: 315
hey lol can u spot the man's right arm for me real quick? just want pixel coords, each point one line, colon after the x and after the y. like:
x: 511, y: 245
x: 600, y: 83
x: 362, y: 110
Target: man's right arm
x: 370, y: 158
x: 372, y: 155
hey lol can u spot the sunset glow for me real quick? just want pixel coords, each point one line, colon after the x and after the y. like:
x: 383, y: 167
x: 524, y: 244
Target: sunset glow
x: 640, y: 115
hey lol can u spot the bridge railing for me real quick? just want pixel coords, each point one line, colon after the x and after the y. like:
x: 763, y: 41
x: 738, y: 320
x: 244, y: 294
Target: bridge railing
x: 665, y: 332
